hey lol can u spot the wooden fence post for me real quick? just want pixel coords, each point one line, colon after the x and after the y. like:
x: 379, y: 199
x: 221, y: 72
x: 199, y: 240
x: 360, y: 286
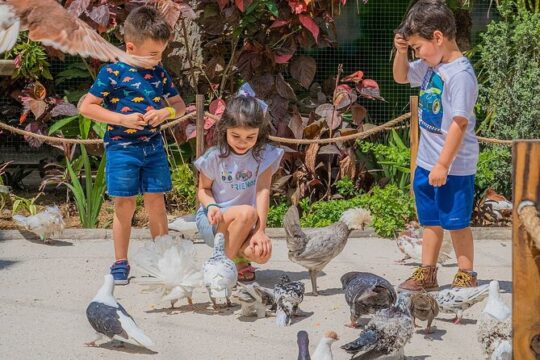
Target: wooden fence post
x: 525, y: 255
x: 413, y: 136
x: 199, y: 104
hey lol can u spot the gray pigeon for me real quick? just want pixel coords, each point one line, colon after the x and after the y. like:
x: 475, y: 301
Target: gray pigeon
x: 424, y: 307
x: 302, y: 340
x: 366, y: 293
x: 254, y: 299
x: 314, y: 249
x: 109, y: 318
x: 457, y: 300
x: 288, y: 295
x: 387, y: 332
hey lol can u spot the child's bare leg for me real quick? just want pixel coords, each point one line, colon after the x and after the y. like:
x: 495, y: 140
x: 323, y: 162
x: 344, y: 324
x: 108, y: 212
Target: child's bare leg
x: 431, y: 244
x: 464, y: 248
x: 154, y: 204
x: 237, y: 223
x: 124, y: 208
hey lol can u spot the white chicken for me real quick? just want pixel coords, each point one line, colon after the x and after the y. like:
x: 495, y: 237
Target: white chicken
x: 220, y: 274
x: 172, y: 268
x: 45, y: 224
x: 409, y: 243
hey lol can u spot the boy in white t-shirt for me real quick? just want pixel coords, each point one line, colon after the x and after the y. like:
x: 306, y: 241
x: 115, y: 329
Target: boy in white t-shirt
x: 448, y: 151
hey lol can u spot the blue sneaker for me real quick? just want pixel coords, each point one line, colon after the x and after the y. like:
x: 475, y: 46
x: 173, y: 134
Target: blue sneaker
x: 120, y: 272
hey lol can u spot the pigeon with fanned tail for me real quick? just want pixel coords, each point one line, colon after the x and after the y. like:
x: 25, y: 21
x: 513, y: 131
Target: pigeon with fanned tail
x: 457, y: 300
x: 171, y: 267
x: 302, y: 339
x: 45, y: 224
x: 387, y: 332
x: 323, y: 351
x: 253, y: 299
x: 48, y: 22
x: 409, y: 242
x: 220, y: 274
x: 314, y: 249
x: 109, y: 318
x: 495, y: 326
x: 366, y: 293
x: 287, y: 295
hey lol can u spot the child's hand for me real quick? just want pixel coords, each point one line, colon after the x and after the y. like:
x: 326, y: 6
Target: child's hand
x: 438, y: 175
x: 260, y: 244
x: 401, y: 44
x: 155, y: 117
x: 214, y: 215
x: 133, y: 121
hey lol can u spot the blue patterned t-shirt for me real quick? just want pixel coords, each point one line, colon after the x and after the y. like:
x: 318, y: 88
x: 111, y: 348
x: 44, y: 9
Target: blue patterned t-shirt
x: 126, y: 89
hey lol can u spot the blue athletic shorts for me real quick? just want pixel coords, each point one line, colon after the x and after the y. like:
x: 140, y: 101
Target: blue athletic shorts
x: 137, y: 168
x: 449, y: 206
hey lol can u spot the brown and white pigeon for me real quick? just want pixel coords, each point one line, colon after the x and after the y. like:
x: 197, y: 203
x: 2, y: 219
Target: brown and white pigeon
x: 52, y: 25
x: 315, y: 248
x: 409, y: 243
x: 45, y: 224
x: 457, y: 300
x: 424, y: 307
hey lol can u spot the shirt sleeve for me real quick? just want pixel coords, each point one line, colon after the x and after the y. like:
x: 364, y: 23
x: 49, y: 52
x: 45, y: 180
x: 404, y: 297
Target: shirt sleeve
x: 417, y: 71
x: 271, y: 158
x: 103, y: 85
x: 169, y: 90
x: 463, y: 90
x: 207, y: 163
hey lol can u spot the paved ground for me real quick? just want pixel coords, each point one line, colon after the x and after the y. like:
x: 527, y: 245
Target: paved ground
x: 46, y: 288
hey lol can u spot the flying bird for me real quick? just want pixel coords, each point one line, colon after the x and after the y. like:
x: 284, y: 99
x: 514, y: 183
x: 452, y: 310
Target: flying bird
x: 366, y: 293
x: 109, y: 318
x: 45, y: 224
x: 51, y: 24
x: 314, y: 249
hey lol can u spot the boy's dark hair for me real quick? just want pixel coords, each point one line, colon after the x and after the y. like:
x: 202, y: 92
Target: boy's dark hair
x: 427, y: 16
x: 144, y: 23
x: 243, y: 111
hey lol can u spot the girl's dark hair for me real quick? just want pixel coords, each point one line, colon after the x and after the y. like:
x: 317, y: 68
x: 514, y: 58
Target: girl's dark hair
x: 427, y: 16
x: 243, y: 111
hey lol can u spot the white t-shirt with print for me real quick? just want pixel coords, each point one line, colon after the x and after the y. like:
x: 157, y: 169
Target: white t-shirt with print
x: 446, y: 90
x: 235, y: 176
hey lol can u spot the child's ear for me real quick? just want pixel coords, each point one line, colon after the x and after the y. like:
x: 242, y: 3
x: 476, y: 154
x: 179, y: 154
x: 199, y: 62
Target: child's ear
x: 130, y: 46
x: 438, y: 37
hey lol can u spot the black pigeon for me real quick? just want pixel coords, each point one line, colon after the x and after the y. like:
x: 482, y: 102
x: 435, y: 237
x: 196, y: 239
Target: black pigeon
x: 303, y: 345
x: 366, y: 293
x: 288, y: 295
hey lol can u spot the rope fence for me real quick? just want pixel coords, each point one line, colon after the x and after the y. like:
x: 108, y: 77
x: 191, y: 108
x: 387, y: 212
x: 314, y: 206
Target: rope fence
x: 530, y: 221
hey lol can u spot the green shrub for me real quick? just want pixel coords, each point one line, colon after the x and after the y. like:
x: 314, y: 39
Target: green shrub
x: 509, y: 76
x: 276, y: 214
x: 495, y: 170
x: 184, y: 192
x: 345, y: 187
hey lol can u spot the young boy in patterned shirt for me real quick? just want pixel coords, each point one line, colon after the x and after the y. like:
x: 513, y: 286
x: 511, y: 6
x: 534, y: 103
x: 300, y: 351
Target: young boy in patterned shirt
x: 131, y: 101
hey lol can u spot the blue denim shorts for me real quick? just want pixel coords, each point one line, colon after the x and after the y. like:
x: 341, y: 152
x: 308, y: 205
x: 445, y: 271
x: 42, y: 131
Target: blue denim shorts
x: 449, y: 206
x: 206, y: 230
x: 137, y: 168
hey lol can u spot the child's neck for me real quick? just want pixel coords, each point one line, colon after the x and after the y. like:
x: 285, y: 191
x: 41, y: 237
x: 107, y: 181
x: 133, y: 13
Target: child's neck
x: 451, y: 52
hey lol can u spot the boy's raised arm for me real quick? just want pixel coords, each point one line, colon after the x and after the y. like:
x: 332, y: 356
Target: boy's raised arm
x: 401, y: 62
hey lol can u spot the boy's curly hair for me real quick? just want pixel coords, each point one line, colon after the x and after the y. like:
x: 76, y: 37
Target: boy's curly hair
x: 145, y: 23
x: 243, y: 111
x: 427, y: 16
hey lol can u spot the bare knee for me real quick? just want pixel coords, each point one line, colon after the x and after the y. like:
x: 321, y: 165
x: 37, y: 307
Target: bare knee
x: 247, y: 215
x: 124, y: 205
x: 154, y: 200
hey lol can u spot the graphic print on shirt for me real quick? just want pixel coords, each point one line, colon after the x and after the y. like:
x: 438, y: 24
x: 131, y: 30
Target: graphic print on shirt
x: 431, y: 111
x: 226, y: 176
x: 243, y: 175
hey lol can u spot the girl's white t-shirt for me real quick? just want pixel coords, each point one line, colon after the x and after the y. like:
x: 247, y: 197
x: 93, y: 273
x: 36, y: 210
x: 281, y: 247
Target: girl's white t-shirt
x: 235, y: 176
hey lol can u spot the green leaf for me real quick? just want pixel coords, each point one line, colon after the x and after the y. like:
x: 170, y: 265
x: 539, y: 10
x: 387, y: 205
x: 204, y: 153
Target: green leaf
x: 57, y: 125
x: 273, y: 8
